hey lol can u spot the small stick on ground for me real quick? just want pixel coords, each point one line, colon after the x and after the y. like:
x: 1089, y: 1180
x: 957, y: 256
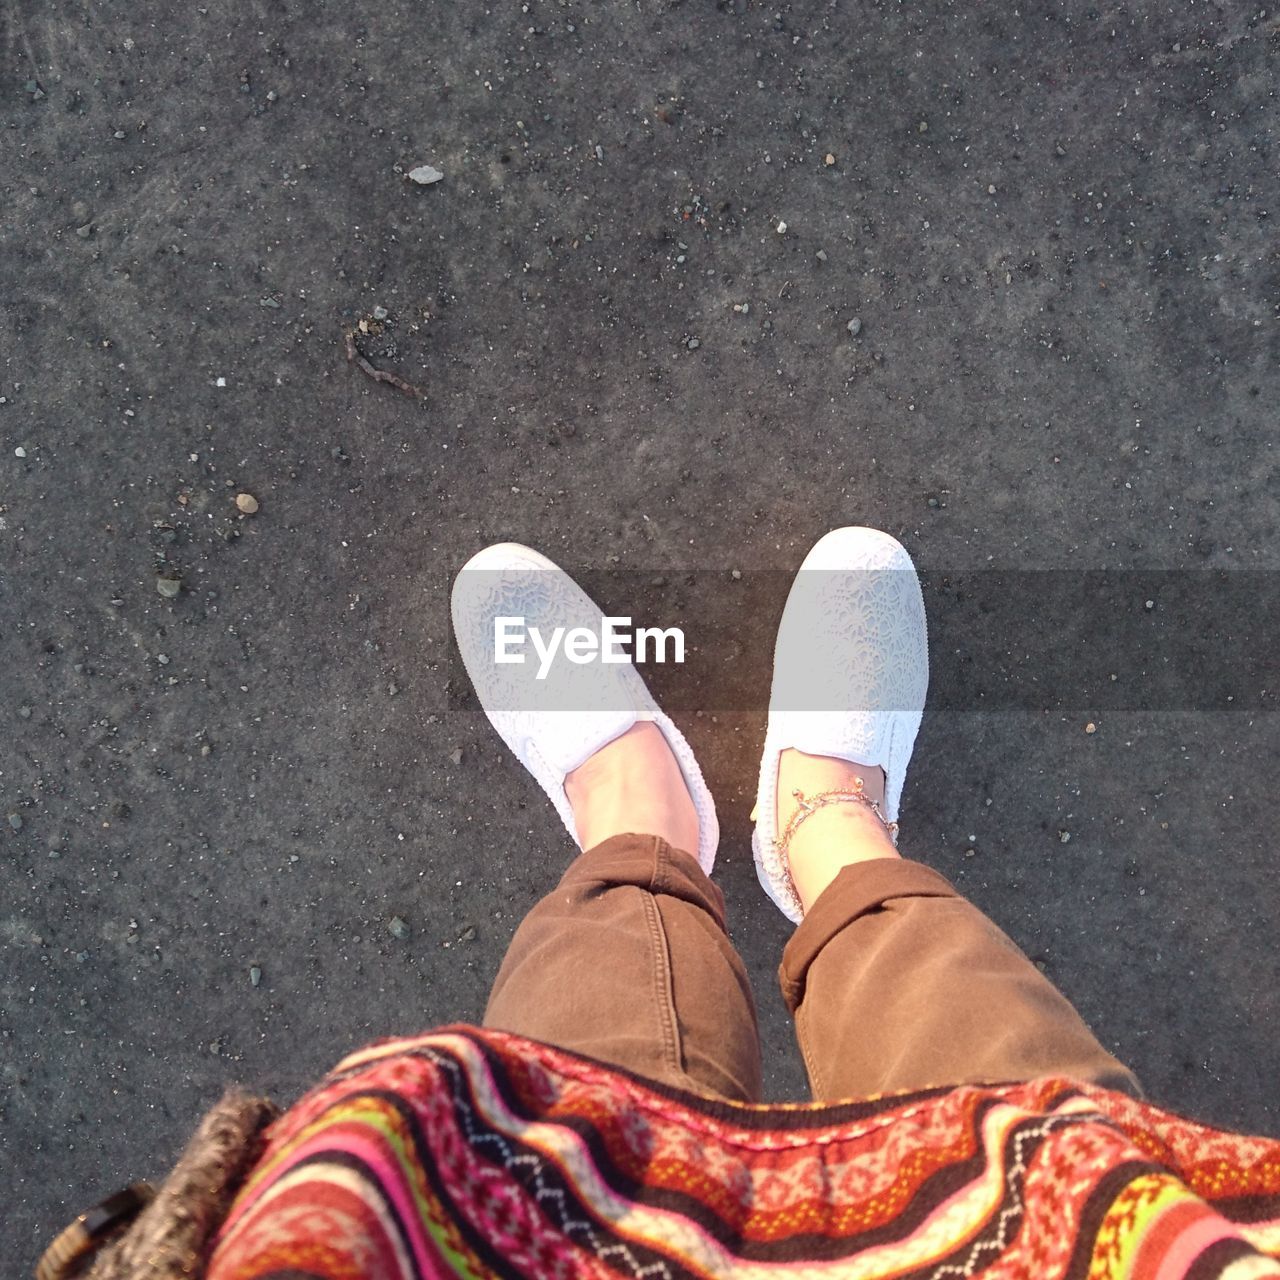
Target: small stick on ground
x: 379, y: 375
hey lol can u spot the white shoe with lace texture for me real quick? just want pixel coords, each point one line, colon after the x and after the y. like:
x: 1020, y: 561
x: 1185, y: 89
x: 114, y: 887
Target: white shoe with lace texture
x: 850, y: 674
x: 555, y: 723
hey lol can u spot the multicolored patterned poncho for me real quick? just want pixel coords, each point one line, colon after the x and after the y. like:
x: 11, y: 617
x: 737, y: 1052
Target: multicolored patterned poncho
x: 475, y: 1153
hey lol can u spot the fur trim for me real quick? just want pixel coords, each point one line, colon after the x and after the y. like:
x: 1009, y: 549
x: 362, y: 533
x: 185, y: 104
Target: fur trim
x: 170, y: 1238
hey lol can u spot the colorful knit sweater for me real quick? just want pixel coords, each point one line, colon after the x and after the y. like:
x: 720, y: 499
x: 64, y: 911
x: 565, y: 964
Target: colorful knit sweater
x: 475, y: 1153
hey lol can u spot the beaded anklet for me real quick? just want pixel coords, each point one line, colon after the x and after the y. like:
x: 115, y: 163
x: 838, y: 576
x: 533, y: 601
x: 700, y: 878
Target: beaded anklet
x: 809, y: 805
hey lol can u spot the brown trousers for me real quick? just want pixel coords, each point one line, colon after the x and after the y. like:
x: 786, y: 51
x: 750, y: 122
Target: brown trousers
x: 894, y: 980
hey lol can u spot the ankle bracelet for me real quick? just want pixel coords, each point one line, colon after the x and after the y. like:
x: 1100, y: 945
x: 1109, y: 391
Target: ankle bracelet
x: 807, y: 806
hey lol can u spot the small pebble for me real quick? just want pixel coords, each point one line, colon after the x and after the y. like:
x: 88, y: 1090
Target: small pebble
x: 398, y: 928
x: 1064, y: 836
x: 170, y: 588
x: 1150, y: 604
x: 246, y: 503
x: 80, y: 212
x: 255, y: 974
x: 736, y: 575
x: 24, y: 713
x: 828, y: 159
x: 424, y: 175
x: 379, y: 313
x: 272, y: 96
x: 15, y: 821
x: 855, y: 326
x: 19, y: 452
x: 162, y: 659
x: 456, y: 755
x: 468, y: 934
x: 821, y: 255
x: 272, y: 304
x: 693, y: 344
x: 781, y: 228
x: 1091, y: 727
x: 85, y: 231
x: 933, y: 502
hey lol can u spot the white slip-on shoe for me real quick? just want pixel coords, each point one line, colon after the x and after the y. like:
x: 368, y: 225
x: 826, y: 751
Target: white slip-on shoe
x: 850, y: 674
x: 554, y: 723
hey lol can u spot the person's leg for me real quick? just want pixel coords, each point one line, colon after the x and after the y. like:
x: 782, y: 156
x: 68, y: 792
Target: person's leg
x: 896, y: 981
x: 627, y: 959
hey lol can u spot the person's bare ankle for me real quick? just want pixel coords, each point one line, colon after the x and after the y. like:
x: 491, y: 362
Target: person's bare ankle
x: 633, y: 784
x: 834, y: 836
